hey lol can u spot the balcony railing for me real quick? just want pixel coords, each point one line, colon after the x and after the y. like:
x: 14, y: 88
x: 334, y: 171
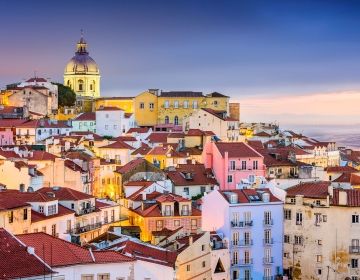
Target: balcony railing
x: 241, y: 224
x: 219, y: 246
x: 243, y: 262
x: 242, y: 243
x: 268, y: 222
x: 354, y: 249
x: 268, y: 241
x: 86, y: 210
x: 90, y: 227
x: 268, y: 260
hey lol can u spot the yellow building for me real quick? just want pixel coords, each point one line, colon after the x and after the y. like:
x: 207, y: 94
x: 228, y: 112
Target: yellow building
x: 146, y: 108
x: 82, y: 74
x: 124, y: 103
x: 169, y: 108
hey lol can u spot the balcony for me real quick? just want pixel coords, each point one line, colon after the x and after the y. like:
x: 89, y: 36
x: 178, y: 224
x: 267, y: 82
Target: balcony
x: 242, y: 243
x: 86, y: 210
x: 268, y: 222
x: 268, y: 241
x: 354, y: 249
x: 241, y: 224
x: 243, y: 262
x: 268, y: 260
x: 83, y: 229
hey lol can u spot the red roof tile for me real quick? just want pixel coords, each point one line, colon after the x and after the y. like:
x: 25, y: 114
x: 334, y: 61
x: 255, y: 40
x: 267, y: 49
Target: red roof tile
x: 244, y: 195
x: 353, y: 197
x: 130, y: 165
x: 88, y: 116
x: 316, y: 189
x: 158, y: 137
x: 138, y: 130
x: 117, y: 145
x: 125, y: 139
x: 236, y: 149
x: 62, y: 193
x: 109, y: 108
x: 341, y: 169
x: 16, y: 262
x: 143, y: 150
x: 62, y: 211
x: 60, y: 253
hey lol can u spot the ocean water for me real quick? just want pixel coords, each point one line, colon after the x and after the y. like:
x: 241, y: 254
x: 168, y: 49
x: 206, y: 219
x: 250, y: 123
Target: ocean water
x: 343, y: 135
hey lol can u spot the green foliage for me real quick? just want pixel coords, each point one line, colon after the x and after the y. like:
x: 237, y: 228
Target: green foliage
x: 196, y: 197
x: 66, y: 96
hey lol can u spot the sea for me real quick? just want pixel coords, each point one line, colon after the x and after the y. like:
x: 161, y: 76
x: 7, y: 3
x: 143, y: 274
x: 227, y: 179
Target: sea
x: 343, y: 135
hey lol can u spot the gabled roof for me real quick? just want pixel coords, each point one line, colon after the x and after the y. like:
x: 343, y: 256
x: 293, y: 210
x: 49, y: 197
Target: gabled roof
x: 62, y: 193
x: 88, y: 116
x: 143, y: 150
x: 184, y: 242
x: 130, y: 165
x: 199, y: 132
x: 16, y: 262
x: 158, y: 137
x: 61, y: 253
x: 125, y: 139
x: 216, y: 94
x: 62, y: 211
x: 236, y: 149
x: 249, y: 195
x: 138, y: 130
x: 117, y: 145
x: 341, y: 169
x: 219, y: 114
x: 109, y: 108
x: 315, y: 189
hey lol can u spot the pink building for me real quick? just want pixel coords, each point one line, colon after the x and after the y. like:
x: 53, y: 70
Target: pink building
x: 233, y: 163
x: 8, y: 130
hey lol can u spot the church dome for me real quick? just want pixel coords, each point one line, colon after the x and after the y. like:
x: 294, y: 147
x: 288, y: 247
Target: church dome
x: 81, y: 62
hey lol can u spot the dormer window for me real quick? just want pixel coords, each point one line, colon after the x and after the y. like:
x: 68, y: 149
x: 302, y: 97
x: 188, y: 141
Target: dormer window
x: 52, y: 210
x: 41, y: 209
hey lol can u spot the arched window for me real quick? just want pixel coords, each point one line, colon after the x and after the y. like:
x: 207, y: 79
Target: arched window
x: 80, y: 85
x: 176, y: 120
x: 186, y: 104
x: 166, y: 119
x: 68, y: 83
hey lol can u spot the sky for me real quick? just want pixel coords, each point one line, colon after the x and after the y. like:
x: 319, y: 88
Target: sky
x: 295, y: 62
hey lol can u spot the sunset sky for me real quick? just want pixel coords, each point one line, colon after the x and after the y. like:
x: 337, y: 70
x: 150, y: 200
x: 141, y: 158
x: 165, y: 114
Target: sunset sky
x: 296, y: 62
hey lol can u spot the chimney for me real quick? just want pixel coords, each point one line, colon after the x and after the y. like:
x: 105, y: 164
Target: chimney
x: 330, y: 190
x: 342, y: 197
x: 190, y: 240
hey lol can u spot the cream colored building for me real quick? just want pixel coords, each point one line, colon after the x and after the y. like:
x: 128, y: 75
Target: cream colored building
x: 321, y: 232
x: 82, y: 74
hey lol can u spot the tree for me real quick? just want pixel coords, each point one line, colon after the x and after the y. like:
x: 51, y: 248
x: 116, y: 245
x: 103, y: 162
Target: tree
x: 66, y: 96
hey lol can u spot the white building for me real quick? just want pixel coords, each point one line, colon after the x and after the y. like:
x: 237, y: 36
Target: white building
x: 85, y: 122
x: 252, y: 221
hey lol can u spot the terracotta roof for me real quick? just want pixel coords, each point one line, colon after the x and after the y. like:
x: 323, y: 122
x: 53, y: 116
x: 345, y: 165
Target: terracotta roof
x: 116, y: 98
x: 73, y: 166
x: 88, y: 116
x: 184, y: 242
x: 11, y: 202
x: 176, y: 135
x: 262, y: 134
x: 117, y: 145
x: 143, y: 150
x: 198, y: 175
x: 16, y: 262
x: 137, y: 196
x: 9, y: 123
x: 62, y: 211
x: 128, y: 115
x: 161, y: 150
x: 130, y: 165
x: 316, y: 189
x: 256, y: 144
x: 109, y: 108
x: 353, y: 197
x: 138, y: 130
x: 60, y: 253
x: 181, y: 94
x: 249, y: 195
x: 355, y: 179
x: 158, y: 137
x: 236, y: 149
x: 148, y: 253
x: 219, y: 114
x: 341, y: 169
x: 41, y: 155
x: 141, y: 183
x: 62, y: 193
x: 171, y: 197
x: 199, y: 132
x: 125, y: 139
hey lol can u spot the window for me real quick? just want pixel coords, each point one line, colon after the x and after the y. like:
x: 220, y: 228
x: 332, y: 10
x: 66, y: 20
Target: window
x: 166, y: 104
x: 151, y: 106
x: 319, y: 258
x: 354, y: 263
x: 267, y: 236
x: 203, y: 264
x: 298, y: 240
x: 80, y: 85
x: 186, y: 104
x: 319, y: 271
x: 142, y: 105
x: 53, y: 230
x: 286, y: 255
x: 87, y: 277
x: 247, y: 274
x: 105, y: 276
x: 230, y: 178
x: 255, y: 164
x: 319, y: 242
x: 299, y: 218
x: 202, y: 189
x: 176, y: 120
x: 243, y: 165
x: 203, y: 247
x: 355, y: 219
x: 235, y: 238
x: 25, y: 214
x: 235, y: 257
x: 68, y: 225
x: 11, y: 217
x: 186, y: 190
x: 286, y: 238
x: 52, y: 209
x: 159, y: 224
x: 176, y: 104
x: 324, y: 218
x: 176, y: 223
x: 193, y: 224
x: 232, y: 164
x: 287, y: 214
x: 195, y: 104
x: 267, y: 218
x: 166, y: 120
x: 188, y: 267
x: 215, y: 103
x: 43, y: 229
